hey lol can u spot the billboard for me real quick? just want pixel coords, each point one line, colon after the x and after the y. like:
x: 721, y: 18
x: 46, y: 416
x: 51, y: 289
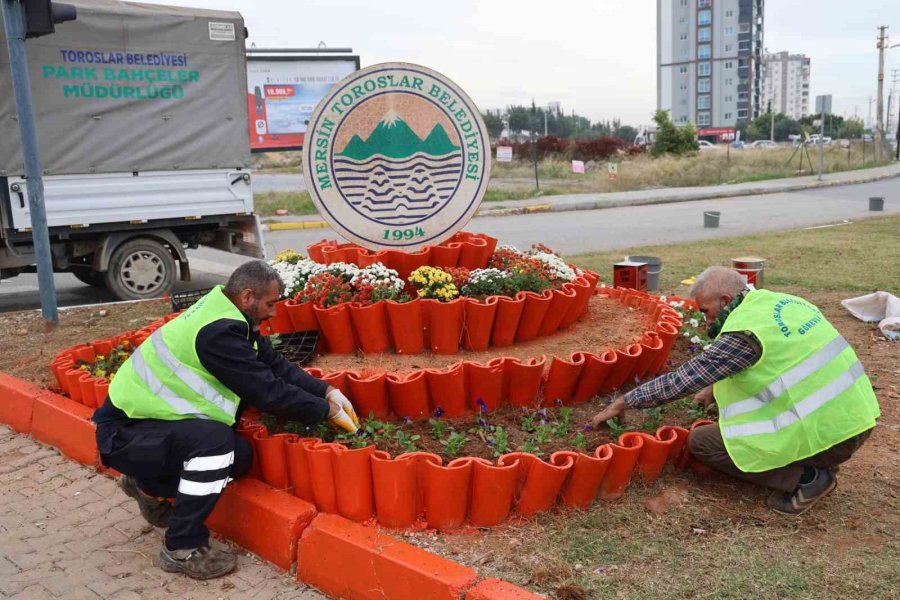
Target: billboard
x: 282, y: 93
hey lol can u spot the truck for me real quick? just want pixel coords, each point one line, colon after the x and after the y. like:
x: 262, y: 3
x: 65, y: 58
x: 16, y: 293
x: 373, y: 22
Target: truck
x: 142, y: 125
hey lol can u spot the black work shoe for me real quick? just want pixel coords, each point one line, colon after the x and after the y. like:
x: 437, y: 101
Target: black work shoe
x: 155, y: 511
x: 197, y: 563
x: 805, y: 496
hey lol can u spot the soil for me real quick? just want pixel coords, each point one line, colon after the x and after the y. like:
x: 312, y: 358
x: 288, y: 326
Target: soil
x: 607, y: 325
x: 28, y: 348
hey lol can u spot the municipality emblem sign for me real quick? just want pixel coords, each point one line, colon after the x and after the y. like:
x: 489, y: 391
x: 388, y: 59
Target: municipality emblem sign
x: 396, y: 156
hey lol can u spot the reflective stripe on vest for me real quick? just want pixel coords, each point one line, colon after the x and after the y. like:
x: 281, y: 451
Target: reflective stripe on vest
x: 176, y: 402
x: 188, y: 377
x: 778, y: 387
x: 802, y: 409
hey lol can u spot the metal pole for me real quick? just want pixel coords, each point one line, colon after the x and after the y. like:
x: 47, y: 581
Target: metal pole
x: 821, y: 143
x: 879, y: 110
x: 14, y: 26
x: 897, y: 157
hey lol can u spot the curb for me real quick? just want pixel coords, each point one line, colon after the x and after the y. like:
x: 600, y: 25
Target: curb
x: 691, y: 197
x: 273, y: 524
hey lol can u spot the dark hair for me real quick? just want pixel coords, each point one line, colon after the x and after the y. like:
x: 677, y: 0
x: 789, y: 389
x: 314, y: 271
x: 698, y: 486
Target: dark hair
x: 256, y: 275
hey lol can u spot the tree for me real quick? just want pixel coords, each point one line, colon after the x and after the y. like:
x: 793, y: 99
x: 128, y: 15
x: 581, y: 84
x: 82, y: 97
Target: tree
x: 519, y: 119
x: 852, y: 129
x: 671, y: 139
x: 494, y: 123
x: 833, y: 124
x: 626, y: 133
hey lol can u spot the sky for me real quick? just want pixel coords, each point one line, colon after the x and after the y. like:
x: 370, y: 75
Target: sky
x: 597, y: 57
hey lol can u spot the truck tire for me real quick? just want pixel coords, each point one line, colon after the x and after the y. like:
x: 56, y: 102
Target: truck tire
x: 140, y: 268
x: 90, y: 277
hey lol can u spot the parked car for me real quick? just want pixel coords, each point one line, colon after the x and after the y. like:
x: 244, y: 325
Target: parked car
x: 867, y: 138
x: 738, y: 145
x: 763, y: 144
x: 704, y: 145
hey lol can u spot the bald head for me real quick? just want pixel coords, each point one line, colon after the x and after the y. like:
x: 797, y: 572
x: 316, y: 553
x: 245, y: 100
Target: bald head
x: 715, y: 288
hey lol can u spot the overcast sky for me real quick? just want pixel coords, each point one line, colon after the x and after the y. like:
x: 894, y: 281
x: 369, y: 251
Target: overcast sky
x: 597, y: 57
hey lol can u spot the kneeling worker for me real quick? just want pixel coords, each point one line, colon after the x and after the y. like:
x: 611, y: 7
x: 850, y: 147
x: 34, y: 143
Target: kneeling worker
x: 793, y: 399
x: 168, y: 422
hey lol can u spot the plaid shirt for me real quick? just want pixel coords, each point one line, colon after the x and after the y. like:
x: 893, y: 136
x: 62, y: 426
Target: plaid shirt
x: 730, y: 354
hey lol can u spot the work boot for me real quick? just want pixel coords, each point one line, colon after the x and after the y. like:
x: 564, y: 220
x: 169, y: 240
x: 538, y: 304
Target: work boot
x: 805, y: 496
x: 156, y: 511
x: 198, y: 563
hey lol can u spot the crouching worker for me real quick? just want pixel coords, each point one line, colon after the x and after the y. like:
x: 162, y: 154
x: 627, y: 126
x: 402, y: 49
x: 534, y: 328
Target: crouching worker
x: 793, y: 399
x: 168, y: 422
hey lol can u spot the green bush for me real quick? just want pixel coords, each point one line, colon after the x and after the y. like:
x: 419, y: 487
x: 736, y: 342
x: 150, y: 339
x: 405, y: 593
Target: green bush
x: 672, y: 139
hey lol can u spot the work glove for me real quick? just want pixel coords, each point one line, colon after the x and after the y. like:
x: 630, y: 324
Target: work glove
x: 342, y: 413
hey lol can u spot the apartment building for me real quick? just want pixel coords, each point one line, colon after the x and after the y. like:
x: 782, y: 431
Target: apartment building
x: 709, y: 63
x: 786, y: 84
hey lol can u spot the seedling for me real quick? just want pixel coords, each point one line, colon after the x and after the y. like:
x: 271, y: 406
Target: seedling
x: 618, y: 428
x: 500, y: 441
x: 543, y: 433
x: 438, y: 428
x: 562, y: 426
x: 454, y: 444
x: 407, y: 442
x: 527, y: 422
x: 531, y: 448
x: 652, y: 418
x: 580, y: 441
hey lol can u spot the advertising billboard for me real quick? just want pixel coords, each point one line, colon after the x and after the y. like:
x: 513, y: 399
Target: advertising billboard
x: 282, y: 93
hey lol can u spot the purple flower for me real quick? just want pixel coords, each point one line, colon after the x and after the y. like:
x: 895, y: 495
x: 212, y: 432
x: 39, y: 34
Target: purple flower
x: 360, y: 433
x: 438, y: 412
x: 482, y: 423
x: 407, y: 419
x: 543, y: 413
x: 558, y: 402
x: 588, y: 428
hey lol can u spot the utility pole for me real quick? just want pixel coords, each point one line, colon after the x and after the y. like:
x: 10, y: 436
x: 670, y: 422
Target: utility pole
x: 879, y: 111
x: 14, y: 24
x: 771, y: 122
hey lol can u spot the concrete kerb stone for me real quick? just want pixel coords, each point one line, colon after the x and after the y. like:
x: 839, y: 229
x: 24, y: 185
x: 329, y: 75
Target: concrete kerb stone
x: 275, y: 525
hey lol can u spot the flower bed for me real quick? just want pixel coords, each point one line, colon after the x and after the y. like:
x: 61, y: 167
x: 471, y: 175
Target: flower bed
x: 359, y: 304
x: 499, y: 434
x: 360, y: 483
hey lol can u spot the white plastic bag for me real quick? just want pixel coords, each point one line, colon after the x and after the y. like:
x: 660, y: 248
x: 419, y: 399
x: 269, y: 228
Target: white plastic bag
x: 880, y: 306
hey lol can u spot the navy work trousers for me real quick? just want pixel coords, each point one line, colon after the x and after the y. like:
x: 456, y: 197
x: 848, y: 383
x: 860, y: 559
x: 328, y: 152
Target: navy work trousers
x: 190, y: 460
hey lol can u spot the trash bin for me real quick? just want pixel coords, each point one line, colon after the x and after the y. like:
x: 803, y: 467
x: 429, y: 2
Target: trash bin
x: 711, y: 218
x: 654, y: 268
x: 876, y: 203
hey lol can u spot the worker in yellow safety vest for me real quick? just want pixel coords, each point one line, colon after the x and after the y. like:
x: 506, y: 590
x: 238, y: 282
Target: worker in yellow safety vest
x: 168, y: 422
x: 793, y: 399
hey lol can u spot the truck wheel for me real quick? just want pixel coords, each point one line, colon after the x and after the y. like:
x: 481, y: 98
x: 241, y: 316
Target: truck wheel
x: 140, y: 268
x: 90, y: 277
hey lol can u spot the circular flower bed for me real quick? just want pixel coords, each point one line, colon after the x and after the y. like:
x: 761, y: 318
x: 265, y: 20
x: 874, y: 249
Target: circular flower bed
x: 474, y: 440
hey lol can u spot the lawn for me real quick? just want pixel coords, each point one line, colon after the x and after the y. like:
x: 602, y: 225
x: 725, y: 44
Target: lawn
x: 859, y: 257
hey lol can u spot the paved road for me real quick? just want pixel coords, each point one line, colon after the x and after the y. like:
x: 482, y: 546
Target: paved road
x: 278, y: 182
x: 567, y: 232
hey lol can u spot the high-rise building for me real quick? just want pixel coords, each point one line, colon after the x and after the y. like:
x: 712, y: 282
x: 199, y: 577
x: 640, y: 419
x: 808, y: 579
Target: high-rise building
x: 786, y: 84
x: 709, y: 58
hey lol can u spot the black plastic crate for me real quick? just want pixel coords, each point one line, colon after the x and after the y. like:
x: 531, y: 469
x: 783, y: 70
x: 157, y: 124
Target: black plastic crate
x: 183, y: 300
x: 298, y: 347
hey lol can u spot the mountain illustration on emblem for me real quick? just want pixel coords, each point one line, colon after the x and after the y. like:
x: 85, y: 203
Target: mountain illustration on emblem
x: 395, y: 177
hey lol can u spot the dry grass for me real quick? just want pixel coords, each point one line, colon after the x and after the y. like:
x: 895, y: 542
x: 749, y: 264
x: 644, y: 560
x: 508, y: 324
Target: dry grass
x: 712, y: 167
